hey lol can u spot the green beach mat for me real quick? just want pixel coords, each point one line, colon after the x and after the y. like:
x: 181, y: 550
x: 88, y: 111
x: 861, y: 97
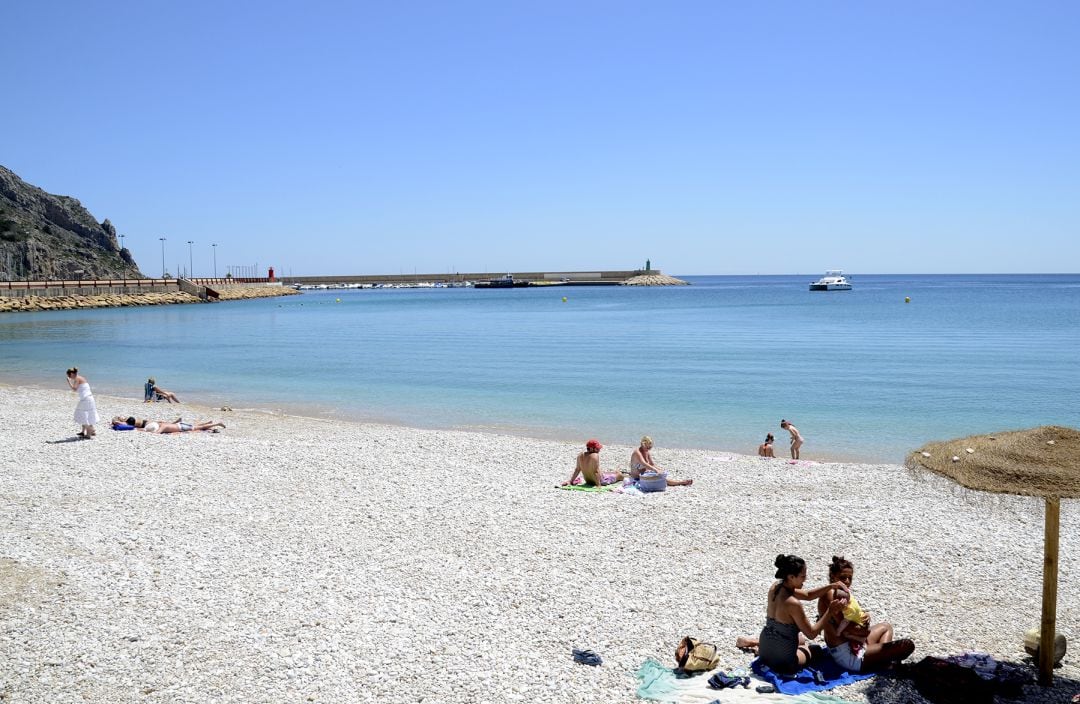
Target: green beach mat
x: 582, y: 487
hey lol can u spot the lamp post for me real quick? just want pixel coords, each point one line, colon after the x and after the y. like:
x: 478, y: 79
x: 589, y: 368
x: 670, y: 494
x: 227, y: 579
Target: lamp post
x: 191, y: 264
x: 214, y: 245
x: 162, y: 256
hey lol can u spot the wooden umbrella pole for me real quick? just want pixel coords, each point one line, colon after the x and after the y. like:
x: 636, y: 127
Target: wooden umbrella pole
x: 1049, y: 595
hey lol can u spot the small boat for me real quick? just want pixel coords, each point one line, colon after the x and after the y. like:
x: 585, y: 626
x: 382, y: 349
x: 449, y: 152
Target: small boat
x: 832, y: 281
x: 501, y: 282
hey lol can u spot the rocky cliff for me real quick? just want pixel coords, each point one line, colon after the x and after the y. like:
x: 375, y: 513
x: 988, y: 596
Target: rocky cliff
x: 48, y: 236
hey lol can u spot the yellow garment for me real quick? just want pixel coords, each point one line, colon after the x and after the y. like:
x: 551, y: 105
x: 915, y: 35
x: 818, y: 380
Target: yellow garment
x: 853, y: 612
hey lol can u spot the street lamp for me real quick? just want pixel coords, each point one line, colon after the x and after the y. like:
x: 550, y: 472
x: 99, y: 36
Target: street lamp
x: 214, y: 245
x: 191, y: 265
x: 162, y: 256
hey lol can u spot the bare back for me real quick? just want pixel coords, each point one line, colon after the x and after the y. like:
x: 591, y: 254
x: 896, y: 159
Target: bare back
x: 588, y: 463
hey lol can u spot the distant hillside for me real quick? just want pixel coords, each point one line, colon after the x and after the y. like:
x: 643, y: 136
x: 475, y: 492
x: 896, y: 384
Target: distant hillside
x: 48, y: 236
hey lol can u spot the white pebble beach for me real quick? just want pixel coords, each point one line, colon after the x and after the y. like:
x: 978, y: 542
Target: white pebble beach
x: 290, y: 559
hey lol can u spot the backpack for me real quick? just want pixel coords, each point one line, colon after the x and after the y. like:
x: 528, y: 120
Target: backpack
x: 693, y: 655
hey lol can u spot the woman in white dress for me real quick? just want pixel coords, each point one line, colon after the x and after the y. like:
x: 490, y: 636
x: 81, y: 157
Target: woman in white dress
x: 86, y: 413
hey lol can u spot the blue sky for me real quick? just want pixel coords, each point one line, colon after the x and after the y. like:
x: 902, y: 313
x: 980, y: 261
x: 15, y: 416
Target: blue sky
x: 712, y: 137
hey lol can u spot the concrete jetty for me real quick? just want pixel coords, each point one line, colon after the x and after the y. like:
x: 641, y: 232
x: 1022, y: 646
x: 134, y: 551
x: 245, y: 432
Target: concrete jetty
x: 643, y: 277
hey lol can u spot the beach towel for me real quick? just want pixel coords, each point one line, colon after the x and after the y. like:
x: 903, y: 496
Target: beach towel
x: 803, y: 681
x: 122, y: 426
x: 661, y: 684
x: 583, y: 487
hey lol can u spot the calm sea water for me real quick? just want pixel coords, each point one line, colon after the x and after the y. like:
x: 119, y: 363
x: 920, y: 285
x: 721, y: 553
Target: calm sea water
x: 863, y: 374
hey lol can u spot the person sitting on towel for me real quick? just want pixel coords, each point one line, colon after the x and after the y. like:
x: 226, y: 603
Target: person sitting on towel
x: 853, y: 643
x: 641, y: 461
x: 588, y: 467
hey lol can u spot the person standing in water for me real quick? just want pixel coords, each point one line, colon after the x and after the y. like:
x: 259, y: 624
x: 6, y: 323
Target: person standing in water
x: 796, y: 438
x: 86, y: 413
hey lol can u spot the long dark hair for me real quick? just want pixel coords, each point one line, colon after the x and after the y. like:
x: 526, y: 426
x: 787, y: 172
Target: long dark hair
x: 786, y: 566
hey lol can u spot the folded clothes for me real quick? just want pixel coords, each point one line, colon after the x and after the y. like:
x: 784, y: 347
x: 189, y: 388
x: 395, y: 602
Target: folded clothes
x: 722, y: 680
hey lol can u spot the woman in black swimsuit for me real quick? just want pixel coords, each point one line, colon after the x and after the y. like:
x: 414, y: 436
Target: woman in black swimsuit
x: 782, y: 645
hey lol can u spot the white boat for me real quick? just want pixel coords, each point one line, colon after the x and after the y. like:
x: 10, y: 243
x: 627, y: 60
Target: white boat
x: 832, y: 281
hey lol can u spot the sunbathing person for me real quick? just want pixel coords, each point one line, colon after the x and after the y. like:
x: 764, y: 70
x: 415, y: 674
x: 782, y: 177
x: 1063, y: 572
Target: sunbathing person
x: 854, y: 644
x: 641, y: 461
x: 136, y: 423
x: 180, y: 427
x: 588, y: 467
x: 765, y: 448
x: 782, y: 643
x: 156, y: 393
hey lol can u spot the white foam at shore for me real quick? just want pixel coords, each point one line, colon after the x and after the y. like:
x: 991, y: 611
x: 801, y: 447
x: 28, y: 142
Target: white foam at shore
x: 293, y: 558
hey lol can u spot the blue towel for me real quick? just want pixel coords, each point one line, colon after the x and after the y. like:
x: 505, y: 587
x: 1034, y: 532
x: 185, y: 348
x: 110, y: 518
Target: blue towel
x: 803, y: 680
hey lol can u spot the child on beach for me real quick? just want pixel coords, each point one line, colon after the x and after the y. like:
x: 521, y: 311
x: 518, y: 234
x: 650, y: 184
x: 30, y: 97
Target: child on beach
x: 765, y: 448
x: 588, y: 467
x: 796, y: 438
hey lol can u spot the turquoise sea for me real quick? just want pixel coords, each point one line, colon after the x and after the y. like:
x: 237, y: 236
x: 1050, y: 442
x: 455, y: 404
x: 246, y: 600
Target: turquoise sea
x: 717, y: 364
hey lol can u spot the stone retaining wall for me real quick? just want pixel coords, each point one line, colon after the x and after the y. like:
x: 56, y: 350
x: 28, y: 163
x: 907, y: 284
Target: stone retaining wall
x: 116, y: 299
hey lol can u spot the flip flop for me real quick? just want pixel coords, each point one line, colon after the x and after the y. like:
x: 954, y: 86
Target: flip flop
x: 586, y: 657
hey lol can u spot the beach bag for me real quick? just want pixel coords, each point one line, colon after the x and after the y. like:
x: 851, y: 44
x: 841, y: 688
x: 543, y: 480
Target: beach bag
x: 694, y: 655
x: 651, y: 481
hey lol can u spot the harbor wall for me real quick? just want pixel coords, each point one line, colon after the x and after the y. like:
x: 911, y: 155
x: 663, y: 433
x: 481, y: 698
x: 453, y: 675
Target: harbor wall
x: 603, y: 276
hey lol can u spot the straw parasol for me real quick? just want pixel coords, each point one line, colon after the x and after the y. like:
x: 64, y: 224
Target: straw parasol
x: 1042, y: 462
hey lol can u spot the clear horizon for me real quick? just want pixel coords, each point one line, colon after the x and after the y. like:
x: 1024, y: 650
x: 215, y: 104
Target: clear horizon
x: 324, y: 138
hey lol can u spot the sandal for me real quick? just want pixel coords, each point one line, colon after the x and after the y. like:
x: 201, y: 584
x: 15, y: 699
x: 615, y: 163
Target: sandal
x: 586, y: 657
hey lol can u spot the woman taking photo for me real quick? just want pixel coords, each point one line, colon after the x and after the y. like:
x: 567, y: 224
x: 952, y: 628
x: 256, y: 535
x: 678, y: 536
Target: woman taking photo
x: 86, y: 411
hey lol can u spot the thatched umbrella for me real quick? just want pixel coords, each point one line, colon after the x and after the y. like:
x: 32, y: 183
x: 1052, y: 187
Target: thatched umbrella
x: 1043, y: 462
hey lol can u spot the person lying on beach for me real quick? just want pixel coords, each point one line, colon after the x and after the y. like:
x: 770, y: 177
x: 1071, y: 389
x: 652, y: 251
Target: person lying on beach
x: 853, y: 643
x: 641, y: 461
x: 180, y: 427
x: 765, y: 448
x: 588, y: 467
x: 136, y: 423
x: 782, y: 643
x: 796, y: 439
x: 156, y: 393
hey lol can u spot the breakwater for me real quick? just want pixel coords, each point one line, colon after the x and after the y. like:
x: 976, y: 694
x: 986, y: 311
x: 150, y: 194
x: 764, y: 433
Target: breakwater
x: 581, y: 278
x: 118, y: 296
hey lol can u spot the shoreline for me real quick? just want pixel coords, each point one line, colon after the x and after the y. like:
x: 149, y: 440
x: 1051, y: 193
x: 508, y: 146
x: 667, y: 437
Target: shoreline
x: 291, y: 558
x: 313, y: 412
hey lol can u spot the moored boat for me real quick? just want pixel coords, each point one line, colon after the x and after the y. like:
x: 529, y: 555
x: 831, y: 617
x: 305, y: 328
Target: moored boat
x: 501, y: 282
x: 834, y: 280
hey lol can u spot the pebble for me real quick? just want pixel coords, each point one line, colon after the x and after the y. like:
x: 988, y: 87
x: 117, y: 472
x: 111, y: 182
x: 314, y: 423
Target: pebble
x: 265, y: 563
